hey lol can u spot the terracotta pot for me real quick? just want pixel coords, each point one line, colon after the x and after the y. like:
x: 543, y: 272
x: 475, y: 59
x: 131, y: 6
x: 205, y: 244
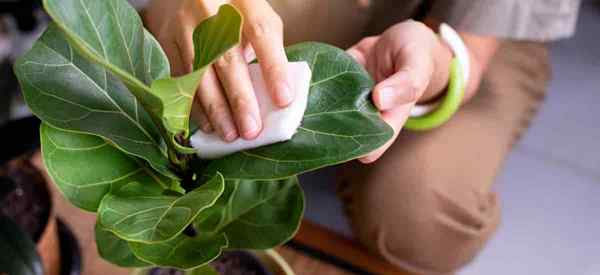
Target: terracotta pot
x: 48, y: 247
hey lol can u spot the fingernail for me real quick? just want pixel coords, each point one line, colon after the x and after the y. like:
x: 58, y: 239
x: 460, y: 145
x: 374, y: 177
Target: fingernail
x: 250, y: 127
x: 285, y: 94
x: 386, y: 98
x: 207, y: 128
x: 228, y: 133
x: 230, y: 136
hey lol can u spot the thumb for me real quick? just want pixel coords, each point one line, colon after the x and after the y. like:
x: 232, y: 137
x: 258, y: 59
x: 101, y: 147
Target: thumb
x: 398, y: 89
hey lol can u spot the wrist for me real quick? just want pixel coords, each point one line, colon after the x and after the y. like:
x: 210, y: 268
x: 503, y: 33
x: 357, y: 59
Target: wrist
x: 442, y: 57
x: 433, y: 115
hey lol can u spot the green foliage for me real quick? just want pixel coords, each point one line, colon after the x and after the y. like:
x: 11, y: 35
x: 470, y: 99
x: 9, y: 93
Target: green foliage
x: 255, y: 214
x: 115, y: 249
x: 67, y: 91
x: 86, y: 168
x: 135, y: 215
x: 340, y: 123
x: 115, y: 125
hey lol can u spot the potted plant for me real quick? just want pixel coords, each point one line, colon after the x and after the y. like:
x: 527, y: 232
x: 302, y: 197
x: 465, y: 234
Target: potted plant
x: 115, y: 137
x: 34, y: 241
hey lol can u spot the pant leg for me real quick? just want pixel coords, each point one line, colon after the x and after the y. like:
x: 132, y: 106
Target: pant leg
x: 428, y: 204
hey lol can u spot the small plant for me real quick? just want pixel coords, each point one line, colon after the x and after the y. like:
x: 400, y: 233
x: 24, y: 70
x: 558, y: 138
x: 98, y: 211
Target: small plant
x: 116, y: 127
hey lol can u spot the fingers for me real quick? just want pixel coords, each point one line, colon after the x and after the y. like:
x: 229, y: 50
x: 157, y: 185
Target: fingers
x: 394, y: 91
x: 361, y: 50
x: 200, y: 117
x: 235, y: 78
x: 411, y: 71
x: 264, y: 30
x: 402, y: 64
x: 184, y: 46
x: 211, y: 99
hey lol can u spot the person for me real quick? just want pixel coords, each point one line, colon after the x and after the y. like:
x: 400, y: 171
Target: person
x: 424, y: 201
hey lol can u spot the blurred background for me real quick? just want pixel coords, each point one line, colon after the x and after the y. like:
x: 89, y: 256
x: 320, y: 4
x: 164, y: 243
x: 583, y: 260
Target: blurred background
x: 550, y: 184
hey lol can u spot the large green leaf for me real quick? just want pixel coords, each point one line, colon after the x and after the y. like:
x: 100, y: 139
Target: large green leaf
x: 183, y: 252
x: 115, y: 249
x: 67, y: 91
x: 86, y: 167
x: 248, y: 215
x: 111, y: 33
x: 340, y: 123
x: 135, y: 215
x: 19, y: 255
x: 255, y: 214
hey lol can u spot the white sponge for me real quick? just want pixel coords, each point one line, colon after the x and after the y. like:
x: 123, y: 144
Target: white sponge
x: 279, y: 124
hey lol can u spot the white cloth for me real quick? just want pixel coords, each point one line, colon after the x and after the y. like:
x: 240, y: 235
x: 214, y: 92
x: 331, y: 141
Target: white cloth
x: 278, y: 124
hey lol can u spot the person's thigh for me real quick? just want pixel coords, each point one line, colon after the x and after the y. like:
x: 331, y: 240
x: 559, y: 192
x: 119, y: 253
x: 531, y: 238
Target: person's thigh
x: 427, y: 205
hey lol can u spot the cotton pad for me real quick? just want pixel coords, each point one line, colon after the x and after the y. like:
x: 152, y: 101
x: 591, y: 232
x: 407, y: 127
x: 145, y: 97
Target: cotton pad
x: 279, y: 124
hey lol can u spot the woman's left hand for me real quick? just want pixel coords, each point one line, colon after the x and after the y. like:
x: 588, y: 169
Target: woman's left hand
x: 409, y: 64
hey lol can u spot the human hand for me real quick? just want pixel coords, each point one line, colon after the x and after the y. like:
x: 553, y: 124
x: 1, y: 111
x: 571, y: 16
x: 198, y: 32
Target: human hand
x: 409, y: 64
x: 226, y: 102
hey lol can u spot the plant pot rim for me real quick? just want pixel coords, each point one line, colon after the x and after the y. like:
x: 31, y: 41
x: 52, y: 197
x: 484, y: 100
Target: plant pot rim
x: 276, y: 260
x: 270, y: 258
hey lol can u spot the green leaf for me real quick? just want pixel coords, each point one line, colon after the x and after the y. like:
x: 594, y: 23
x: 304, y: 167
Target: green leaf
x: 216, y: 35
x: 85, y: 167
x: 203, y: 270
x: 255, y: 214
x: 212, y: 38
x: 110, y: 32
x: 177, y: 95
x: 137, y: 216
x: 339, y: 125
x: 115, y: 250
x: 249, y: 215
x: 183, y: 252
x: 19, y: 255
x: 67, y: 91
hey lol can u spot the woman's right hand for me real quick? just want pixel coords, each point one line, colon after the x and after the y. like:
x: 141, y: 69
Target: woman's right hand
x: 226, y: 102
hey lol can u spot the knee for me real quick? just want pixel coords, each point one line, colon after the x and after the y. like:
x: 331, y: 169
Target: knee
x: 427, y: 230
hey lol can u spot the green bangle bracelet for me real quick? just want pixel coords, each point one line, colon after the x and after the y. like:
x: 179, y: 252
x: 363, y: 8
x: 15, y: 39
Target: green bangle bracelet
x: 448, y: 105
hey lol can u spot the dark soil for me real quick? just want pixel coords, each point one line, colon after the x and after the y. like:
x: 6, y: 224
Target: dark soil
x: 239, y: 263
x: 29, y: 203
x: 230, y: 263
x: 165, y: 271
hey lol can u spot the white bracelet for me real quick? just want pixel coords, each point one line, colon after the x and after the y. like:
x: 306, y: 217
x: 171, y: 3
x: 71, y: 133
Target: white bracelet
x: 459, y: 49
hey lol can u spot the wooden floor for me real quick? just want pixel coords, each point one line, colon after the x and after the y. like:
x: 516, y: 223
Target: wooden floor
x: 317, y: 250
x: 303, y: 264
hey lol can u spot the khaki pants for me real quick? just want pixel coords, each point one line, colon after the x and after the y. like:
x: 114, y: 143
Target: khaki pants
x: 428, y: 204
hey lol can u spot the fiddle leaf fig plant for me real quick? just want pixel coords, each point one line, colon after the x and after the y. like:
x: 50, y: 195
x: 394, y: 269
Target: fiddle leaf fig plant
x: 116, y: 129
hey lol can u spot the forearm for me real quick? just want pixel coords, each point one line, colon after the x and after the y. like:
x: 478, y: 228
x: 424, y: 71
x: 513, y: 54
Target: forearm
x: 481, y: 50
